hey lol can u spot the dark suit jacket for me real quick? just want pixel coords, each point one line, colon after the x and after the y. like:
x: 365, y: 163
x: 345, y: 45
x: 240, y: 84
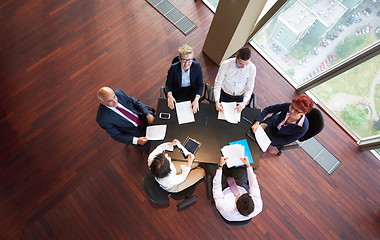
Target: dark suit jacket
x: 119, y: 128
x: 174, y: 78
x: 287, y: 134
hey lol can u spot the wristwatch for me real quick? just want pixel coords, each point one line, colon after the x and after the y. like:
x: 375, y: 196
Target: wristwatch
x: 220, y: 166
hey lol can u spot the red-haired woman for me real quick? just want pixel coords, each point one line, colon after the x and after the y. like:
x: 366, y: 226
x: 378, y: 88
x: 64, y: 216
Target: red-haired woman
x: 288, y: 122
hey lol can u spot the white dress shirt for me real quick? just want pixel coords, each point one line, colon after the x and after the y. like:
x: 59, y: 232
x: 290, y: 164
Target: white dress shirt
x: 172, y: 179
x: 225, y: 201
x: 235, y: 81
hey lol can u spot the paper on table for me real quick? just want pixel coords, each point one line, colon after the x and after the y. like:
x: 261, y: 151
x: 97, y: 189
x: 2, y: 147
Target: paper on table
x: 247, y: 151
x: 262, y: 138
x: 230, y: 114
x: 233, y: 153
x: 184, y: 112
x: 156, y: 132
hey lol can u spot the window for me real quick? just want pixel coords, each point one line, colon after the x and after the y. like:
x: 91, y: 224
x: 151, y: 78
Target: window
x: 320, y: 44
x: 354, y: 97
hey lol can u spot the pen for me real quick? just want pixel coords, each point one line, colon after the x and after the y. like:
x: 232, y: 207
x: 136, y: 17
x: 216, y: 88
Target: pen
x: 206, y: 120
x: 247, y: 120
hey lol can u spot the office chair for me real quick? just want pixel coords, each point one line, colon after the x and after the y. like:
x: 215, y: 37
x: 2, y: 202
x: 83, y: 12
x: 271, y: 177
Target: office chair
x: 316, y: 125
x: 160, y: 197
x: 209, y: 96
x: 237, y: 223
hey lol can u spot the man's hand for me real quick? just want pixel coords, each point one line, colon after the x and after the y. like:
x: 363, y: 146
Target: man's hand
x: 190, y: 159
x: 195, y: 104
x: 240, y: 106
x: 222, y: 161
x: 245, y: 161
x: 219, y: 106
x: 171, y: 101
x: 150, y: 119
x: 142, y: 140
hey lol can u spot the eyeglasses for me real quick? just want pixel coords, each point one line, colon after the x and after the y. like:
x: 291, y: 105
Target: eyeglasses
x: 294, y: 109
x: 186, y: 60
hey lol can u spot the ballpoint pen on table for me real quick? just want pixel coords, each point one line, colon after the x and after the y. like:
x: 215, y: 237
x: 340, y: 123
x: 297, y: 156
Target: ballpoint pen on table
x: 246, y: 119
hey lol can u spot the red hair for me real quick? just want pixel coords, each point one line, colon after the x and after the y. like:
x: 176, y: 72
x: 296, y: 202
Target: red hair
x: 304, y: 103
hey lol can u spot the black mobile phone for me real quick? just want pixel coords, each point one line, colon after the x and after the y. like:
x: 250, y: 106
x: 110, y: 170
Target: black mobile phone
x: 164, y: 115
x: 251, y: 135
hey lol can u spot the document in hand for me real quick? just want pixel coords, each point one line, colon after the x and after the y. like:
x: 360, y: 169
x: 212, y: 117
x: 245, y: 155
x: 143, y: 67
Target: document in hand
x: 156, y: 132
x: 233, y: 153
x: 247, y: 151
x: 184, y: 112
x: 262, y: 139
x: 230, y: 113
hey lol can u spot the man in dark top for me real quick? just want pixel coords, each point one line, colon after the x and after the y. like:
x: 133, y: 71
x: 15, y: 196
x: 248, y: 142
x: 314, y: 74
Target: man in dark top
x: 123, y: 117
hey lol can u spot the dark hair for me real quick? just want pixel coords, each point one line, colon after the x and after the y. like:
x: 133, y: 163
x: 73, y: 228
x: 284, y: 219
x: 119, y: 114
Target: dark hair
x: 244, y: 54
x: 160, y: 166
x: 304, y: 103
x: 245, y: 204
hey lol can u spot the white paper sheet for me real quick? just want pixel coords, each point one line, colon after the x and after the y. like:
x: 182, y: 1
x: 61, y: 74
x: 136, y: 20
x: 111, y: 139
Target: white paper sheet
x: 262, y: 139
x: 156, y: 132
x: 233, y: 153
x: 184, y: 112
x: 230, y: 114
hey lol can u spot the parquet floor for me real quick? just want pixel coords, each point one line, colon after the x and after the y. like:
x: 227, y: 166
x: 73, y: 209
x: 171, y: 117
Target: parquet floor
x: 63, y: 177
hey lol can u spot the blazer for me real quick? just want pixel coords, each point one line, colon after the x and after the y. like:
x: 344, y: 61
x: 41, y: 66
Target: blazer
x: 288, y: 133
x: 174, y: 78
x: 119, y: 128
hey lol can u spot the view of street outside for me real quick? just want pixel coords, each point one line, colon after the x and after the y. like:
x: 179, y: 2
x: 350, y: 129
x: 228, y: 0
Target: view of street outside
x: 355, y: 103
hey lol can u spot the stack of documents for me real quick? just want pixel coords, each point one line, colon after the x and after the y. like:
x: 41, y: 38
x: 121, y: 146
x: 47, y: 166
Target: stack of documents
x: 230, y: 114
x: 247, y: 151
x: 233, y: 153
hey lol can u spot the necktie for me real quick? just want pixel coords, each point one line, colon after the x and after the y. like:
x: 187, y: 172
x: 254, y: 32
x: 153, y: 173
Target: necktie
x: 131, y: 116
x: 233, y: 186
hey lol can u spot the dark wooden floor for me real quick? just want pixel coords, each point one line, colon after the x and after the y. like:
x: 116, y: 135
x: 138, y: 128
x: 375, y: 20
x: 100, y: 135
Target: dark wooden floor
x: 62, y: 177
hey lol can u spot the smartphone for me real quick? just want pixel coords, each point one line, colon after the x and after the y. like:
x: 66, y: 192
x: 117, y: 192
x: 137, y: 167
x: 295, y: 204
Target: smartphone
x: 251, y: 135
x: 164, y: 115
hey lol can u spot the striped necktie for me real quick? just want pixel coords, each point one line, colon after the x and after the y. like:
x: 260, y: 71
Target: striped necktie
x: 233, y: 186
x: 131, y: 116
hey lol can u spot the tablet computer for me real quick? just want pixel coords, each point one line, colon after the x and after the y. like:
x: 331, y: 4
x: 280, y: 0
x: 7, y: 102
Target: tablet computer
x: 191, y: 145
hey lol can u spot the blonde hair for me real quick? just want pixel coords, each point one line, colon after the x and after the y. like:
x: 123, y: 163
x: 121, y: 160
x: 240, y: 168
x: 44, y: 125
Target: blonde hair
x: 185, y: 49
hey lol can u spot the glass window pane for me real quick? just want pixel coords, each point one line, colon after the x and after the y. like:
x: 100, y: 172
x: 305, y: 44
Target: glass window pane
x: 354, y: 97
x: 212, y: 4
x: 307, y: 37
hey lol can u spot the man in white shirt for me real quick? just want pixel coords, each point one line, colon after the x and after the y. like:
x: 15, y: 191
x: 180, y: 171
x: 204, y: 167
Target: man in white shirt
x: 173, y: 176
x: 240, y: 199
x: 235, y: 80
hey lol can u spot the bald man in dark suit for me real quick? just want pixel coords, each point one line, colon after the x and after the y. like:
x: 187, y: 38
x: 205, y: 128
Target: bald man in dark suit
x: 123, y: 117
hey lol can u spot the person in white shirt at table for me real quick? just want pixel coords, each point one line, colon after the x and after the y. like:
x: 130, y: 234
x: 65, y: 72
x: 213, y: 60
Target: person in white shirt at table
x: 236, y: 192
x: 173, y: 176
x: 235, y: 80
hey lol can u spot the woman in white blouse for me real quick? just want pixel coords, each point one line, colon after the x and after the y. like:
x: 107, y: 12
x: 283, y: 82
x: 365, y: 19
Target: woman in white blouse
x: 173, y: 176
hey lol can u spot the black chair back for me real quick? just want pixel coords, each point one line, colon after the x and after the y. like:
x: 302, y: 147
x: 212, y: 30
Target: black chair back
x: 316, y: 124
x: 155, y: 193
x: 237, y: 223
